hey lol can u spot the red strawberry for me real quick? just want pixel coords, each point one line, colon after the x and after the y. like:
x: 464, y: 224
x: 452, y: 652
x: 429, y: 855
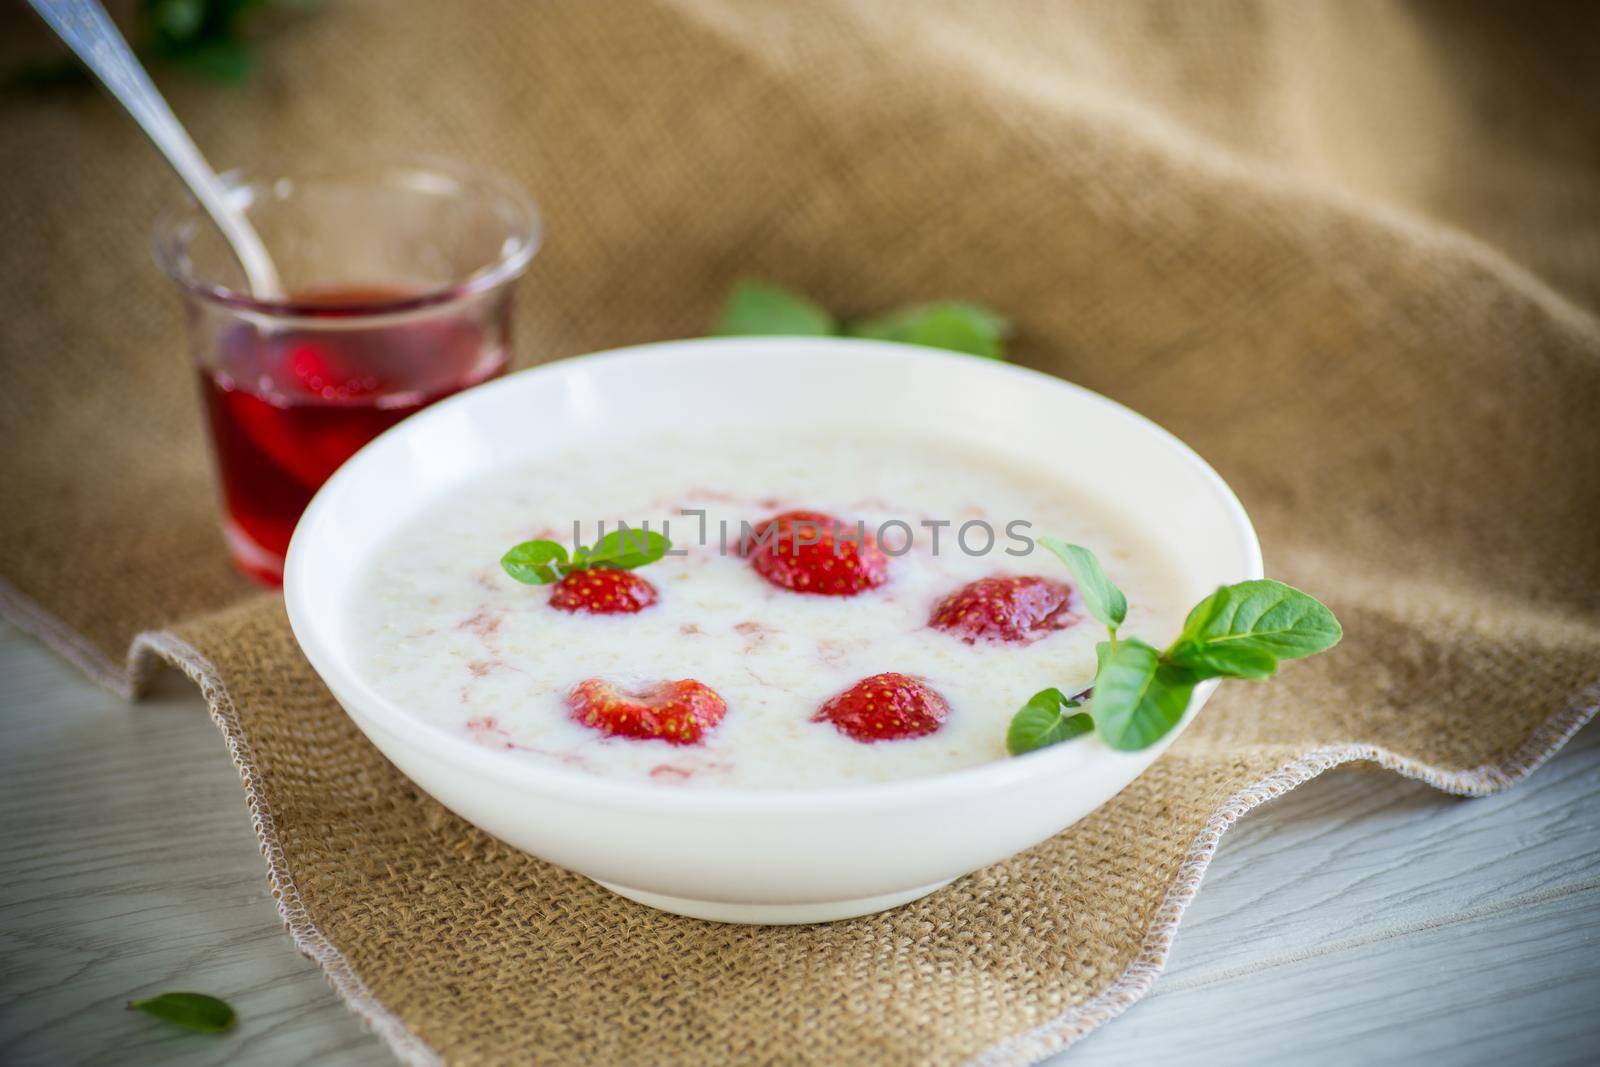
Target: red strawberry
x: 1017, y: 609
x: 676, y: 712
x: 603, y: 591
x: 809, y: 552
x: 885, y: 707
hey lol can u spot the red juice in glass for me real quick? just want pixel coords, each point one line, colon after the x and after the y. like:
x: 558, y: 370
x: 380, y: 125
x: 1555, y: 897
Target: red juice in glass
x: 287, y: 407
x: 294, y: 386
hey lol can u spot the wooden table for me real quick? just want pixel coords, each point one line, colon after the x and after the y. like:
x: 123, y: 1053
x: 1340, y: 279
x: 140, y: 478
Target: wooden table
x: 1360, y: 919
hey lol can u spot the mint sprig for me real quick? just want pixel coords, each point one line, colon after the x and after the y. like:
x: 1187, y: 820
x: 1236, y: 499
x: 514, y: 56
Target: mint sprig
x: 952, y: 325
x: 192, y: 1011
x: 1100, y: 594
x: 213, y: 38
x: 543, y: 562
x: 1138, y: 698
x: 759, y: 308
x: 1241, y: 631
x: 1043, y: 721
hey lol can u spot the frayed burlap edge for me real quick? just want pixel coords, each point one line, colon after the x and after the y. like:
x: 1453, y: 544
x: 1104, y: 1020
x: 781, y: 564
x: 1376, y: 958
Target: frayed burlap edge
x: 1141, y: 974
x: 152, y: 648
x: 144, y: 656
x: 125, y: 680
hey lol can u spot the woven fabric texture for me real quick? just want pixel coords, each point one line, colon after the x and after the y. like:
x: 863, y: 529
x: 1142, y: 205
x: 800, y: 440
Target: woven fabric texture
x: 1349, y: 251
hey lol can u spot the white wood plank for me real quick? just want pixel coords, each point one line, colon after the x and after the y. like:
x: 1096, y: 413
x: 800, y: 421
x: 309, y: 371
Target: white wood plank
x: 1358, y: 917
x: 1356, y: 852
x: 127, y: 867
x: 1517, y: 985
x: 1366, y: 918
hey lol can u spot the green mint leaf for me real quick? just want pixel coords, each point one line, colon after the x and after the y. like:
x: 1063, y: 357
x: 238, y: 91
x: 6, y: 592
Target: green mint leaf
x: 536, y: 562
x: 951, y: 325
x: 1236, y: 660
x: 193, y: 1011
x: 223, y: 60
x: 1235, y: 631
x: 1100, y: 594
x: 1138, y: 699
x: 757, y: 308
x: 624, y: 550
x: 1040, y: 723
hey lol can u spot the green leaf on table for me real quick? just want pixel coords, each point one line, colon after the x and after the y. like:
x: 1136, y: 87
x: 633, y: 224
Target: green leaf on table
x: 1043, y: 722
x: 952, y: 325
x: 193, y: 1011
x: 1242, y: 630
x: 624, y: 550
x: 536, y: 562
x: 1100, y: 594
x: 757, y: 308
x: 1138, y: 699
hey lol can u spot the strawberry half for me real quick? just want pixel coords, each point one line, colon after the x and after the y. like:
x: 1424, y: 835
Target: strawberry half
x: 1014, y: 609
x: 885, y: 707
x: 809, y: 552
x: 602, y: 591
x: 678, y: 712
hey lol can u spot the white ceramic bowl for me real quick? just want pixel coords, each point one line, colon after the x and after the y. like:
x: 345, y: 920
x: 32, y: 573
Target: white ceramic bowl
x: 743, y: 855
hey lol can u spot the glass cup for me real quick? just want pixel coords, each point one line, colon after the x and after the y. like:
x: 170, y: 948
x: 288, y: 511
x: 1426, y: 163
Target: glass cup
x: 399, y: 280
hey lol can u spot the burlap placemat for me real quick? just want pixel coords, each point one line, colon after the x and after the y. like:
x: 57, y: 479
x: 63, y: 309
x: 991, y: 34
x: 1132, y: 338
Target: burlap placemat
x: 1350, y: 251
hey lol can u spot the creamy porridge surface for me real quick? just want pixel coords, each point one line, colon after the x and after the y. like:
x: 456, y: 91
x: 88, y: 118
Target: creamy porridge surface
x: 444, y: 632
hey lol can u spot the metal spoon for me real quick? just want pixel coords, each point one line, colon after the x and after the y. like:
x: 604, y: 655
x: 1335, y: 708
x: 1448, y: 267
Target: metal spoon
x: 89, y: 32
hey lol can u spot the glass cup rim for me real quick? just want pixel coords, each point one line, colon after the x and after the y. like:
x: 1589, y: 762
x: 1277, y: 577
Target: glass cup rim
x: 171, y: 238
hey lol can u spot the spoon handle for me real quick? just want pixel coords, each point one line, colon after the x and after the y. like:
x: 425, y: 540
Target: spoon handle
x: 89, y: 32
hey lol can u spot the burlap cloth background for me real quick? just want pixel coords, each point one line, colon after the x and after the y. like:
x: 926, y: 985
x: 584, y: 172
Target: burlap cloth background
x: 1350, y: 251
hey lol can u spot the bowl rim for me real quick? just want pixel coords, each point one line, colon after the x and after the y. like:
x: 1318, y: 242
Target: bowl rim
x: 374, y: 710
